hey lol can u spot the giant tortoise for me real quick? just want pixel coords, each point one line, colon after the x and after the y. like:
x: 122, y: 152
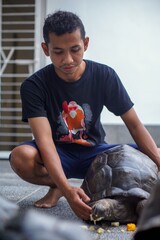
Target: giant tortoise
x: 119, y: 182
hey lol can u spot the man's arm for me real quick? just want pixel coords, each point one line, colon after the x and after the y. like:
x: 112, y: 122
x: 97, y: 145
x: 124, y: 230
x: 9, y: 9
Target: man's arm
x: 50, y: 158
x: 141, y: 136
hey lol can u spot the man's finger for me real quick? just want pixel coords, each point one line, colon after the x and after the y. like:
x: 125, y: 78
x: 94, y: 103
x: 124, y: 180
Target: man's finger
x: 84, y: 197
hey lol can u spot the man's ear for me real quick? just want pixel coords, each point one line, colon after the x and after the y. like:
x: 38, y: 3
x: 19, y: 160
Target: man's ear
x: 86, y: 42
x: 45, y: 48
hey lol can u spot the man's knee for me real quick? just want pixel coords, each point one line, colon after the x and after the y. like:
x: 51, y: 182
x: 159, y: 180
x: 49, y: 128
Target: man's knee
x: 21, y: 158
x: 15, y: 159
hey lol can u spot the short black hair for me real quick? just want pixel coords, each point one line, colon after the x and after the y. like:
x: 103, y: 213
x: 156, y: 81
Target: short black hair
x: 61, y: 22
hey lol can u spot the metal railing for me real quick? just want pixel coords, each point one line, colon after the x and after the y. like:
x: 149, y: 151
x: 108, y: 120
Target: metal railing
x: 17, y: 61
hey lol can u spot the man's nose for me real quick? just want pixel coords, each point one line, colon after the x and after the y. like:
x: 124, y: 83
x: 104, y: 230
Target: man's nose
x: 68, y: 58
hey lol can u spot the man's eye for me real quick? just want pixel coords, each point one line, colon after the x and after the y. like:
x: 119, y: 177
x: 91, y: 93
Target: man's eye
x: 58, y: 52
x: 76, y: 49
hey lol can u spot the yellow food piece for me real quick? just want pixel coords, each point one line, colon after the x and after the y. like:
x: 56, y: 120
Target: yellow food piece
x: 91, y: 228
x: 115, y: 224
x: 100, y: 230
x: 84, y: 227
x: 131, y: 227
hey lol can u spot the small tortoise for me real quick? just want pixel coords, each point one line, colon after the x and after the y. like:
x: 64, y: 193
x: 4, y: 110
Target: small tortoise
x: 119, y: 182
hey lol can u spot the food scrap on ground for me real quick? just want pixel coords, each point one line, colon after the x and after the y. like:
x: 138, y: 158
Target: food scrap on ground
x: 131, y: 227
x: 115, y: 224
x: 100, y: 230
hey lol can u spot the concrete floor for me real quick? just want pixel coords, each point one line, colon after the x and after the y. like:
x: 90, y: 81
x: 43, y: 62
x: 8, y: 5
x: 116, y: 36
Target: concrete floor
x: 25, y: 194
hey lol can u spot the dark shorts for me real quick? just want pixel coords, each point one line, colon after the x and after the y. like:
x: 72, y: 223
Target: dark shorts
x: 76, y: 159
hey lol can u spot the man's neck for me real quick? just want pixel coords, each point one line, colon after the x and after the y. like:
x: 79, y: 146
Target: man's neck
x: 72, y: 77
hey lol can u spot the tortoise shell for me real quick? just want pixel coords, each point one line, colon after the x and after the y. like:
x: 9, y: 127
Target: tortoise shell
x: 121, y: 171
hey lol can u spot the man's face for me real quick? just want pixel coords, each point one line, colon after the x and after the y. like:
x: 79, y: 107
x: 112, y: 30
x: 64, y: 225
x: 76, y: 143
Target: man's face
x: 66, y: 53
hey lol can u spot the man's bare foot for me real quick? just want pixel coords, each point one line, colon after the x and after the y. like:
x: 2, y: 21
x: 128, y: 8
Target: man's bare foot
x: 50, y: 199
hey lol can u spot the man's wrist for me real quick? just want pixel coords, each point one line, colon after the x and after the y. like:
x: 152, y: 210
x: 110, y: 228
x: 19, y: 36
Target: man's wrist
x: 65, y: 189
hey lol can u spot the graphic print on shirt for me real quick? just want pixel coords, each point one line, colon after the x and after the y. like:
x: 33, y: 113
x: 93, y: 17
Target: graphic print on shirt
x: 76, y: 119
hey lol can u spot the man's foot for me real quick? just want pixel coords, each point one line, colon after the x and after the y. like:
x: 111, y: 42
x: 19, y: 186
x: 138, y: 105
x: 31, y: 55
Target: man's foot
x: 50, y: 199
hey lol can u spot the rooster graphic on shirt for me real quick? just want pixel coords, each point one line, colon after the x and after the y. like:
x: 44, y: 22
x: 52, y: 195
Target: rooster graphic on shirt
x: 76, y: 120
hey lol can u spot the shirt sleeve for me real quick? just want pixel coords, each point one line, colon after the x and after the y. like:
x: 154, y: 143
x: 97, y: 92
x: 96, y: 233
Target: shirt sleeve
x: 33, y: 101
x: 116, y: 98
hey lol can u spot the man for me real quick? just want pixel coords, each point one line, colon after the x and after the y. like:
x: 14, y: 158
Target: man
x: 62, y: 103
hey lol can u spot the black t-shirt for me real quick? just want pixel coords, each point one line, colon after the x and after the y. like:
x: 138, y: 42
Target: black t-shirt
x: 73, y: 108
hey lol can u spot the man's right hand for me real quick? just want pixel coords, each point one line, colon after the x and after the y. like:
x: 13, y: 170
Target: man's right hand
x: 78, y: 200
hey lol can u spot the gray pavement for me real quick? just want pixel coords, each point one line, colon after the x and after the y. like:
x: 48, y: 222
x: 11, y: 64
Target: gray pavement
x: 25, y: 194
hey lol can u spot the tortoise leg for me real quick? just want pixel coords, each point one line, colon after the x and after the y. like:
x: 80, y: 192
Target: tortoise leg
x: 140, y: 207
x: 113, y: 210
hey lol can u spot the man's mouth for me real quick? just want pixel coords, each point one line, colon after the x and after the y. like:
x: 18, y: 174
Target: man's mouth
x: 68, y: 68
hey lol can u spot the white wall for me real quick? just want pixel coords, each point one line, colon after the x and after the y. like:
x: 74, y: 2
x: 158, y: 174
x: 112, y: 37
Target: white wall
x: 126, y: 36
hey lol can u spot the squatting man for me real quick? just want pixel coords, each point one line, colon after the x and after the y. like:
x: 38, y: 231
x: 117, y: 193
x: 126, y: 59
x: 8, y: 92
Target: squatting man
x: 62, y: 103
